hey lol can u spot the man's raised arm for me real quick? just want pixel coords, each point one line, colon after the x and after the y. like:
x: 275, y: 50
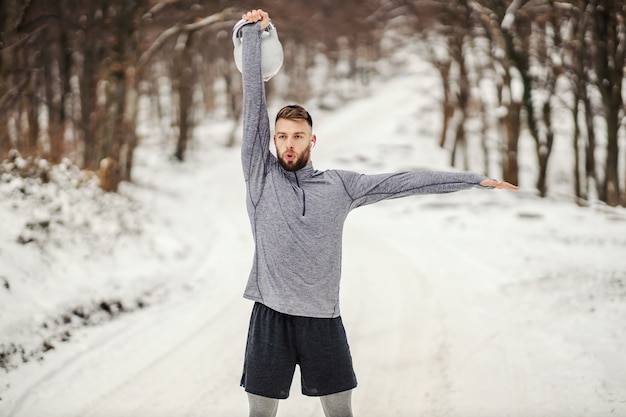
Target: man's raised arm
x: 256, y: 128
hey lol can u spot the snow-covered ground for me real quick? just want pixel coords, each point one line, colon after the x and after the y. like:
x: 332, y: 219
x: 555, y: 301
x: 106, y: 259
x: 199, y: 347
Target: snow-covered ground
x: 473, y: 304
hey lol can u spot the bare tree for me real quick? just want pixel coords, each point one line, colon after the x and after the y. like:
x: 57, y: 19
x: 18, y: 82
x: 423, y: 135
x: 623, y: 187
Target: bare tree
x: 576, y: 65
x: 609, y: 51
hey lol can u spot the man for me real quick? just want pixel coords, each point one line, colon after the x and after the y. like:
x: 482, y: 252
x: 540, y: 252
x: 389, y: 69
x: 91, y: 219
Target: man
x: 297, y: 215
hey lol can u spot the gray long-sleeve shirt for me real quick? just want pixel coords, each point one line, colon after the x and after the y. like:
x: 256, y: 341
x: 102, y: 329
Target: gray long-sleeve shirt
x: 297, y: 217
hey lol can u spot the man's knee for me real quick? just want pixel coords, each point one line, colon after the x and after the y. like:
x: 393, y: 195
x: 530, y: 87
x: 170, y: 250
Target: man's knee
x: 338, y: 405
x: 262, y: 406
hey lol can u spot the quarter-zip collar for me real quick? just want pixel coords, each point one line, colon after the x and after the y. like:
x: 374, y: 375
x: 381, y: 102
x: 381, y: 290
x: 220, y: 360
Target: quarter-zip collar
x: 304, y: 172
x: 298, y: 176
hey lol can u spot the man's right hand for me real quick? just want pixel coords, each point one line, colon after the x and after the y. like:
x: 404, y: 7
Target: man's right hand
x: 255, y: 15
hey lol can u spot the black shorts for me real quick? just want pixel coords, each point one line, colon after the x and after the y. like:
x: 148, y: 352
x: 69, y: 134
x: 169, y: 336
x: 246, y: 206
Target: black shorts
x: 277, y: 342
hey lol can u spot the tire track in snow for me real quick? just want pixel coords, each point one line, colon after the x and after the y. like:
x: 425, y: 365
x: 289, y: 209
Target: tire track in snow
x: 397, y: 336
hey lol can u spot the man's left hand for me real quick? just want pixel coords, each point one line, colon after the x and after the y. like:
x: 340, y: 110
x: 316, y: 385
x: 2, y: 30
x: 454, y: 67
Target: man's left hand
x: 256, y: 15
x: 498, y: 184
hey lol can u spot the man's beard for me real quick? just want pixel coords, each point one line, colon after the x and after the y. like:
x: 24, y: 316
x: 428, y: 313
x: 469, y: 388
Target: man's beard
x: 298, y: 164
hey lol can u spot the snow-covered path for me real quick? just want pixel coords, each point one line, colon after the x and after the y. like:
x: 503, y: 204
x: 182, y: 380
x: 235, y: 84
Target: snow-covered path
x: 476, y: 304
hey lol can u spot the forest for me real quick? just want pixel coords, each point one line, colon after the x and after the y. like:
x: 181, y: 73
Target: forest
x: 74, y: 75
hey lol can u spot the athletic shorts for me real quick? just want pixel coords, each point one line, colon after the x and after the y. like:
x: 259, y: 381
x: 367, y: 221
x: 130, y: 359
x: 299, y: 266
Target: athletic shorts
x: 277, y: 342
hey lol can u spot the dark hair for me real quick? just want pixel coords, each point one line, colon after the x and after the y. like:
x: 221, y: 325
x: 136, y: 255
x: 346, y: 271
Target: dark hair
x: 294, y: 112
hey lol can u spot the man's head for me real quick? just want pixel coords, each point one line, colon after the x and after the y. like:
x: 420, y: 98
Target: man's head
x: 294, y: 137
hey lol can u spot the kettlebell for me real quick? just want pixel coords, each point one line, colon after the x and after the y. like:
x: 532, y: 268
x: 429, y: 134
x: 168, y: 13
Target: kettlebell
x: 271, y: 49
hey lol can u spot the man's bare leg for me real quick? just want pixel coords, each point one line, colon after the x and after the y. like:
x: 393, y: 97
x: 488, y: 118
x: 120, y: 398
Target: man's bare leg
x: 338, y: 405
x: 262, y: 406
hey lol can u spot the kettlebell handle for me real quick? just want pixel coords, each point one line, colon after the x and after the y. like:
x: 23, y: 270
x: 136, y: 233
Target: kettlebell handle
x: 237, y: 30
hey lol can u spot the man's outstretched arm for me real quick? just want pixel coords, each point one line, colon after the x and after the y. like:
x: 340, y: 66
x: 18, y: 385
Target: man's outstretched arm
x: 369, y: 189
x: 255, y: 151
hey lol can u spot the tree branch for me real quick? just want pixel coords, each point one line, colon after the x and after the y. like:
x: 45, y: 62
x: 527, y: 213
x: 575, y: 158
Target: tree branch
x: 19, y: 20
x: 174, y: 31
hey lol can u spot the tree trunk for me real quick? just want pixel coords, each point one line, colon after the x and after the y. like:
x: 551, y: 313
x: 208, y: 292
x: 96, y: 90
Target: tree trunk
x: 611, y: 185
x: 233, y: 86
x: 609, y: 63
x: 447, y: 105
x: 9, y: 82
x: 591, y: 172
x: 5, y: 38
x: 579, y: 85
x: 30, y: 102
x: 91, y: 115
x: 185, y: 94
x: 130, y: 124
x: 25, y: 99
x: 484, y: 134
x: 512, y: 122
x: 463, y: 96
x: 576, y: 148
x: 544, y: 150
x: 57, y: 76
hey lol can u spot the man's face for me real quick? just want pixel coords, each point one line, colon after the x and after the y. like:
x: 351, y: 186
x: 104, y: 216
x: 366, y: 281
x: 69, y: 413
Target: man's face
x: 293, y: 141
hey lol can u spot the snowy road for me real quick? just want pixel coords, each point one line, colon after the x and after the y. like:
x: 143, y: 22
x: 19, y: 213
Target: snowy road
x: 476, y: 304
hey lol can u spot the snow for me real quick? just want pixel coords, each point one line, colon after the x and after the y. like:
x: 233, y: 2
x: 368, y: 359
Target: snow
x: 474, y: 304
